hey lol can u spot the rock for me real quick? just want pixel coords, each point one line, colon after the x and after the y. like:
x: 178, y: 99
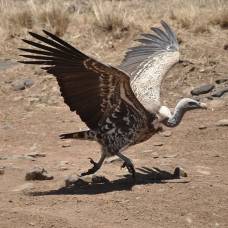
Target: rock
x: 166, y: 133
x: 206, y: 88
x: 76, y: 180
x: 158, y: 144
x: 28, y: 83
x: 2, y: 170
x: 220, y: 81
x: 21, y: 84
x: 170, y: 156
x: 179, y: 172
x: 18, y: 85
x: 99, y: 179
x: 64, y: 163
x: 63, y: 168
x: 225, y: 47
x: 202, y: 127
x: 219, y: 92
x: 36, y: 155
x: 38, y: 173
x: 222, y: 123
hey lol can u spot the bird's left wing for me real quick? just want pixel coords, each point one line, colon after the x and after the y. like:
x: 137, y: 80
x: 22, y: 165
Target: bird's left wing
x: 90, y: 88
x: 148, y: 63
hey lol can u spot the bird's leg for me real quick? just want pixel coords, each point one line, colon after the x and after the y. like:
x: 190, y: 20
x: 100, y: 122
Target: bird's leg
x: 127, y: 163
x: 96, y: 165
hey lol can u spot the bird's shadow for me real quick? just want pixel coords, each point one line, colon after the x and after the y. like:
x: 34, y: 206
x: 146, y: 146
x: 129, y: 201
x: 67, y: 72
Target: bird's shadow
x: 144, y: 176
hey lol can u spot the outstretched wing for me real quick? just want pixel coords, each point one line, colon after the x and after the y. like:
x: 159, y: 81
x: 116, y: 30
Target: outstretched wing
x: 148, y: 63
x: 88, y: 87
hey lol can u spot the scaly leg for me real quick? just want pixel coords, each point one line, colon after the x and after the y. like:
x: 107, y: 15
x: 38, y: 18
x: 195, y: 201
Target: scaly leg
x: 96, y: 165
x: 127, y: 163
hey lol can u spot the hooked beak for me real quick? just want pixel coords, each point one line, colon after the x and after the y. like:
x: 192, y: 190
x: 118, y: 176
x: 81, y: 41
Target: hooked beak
x: 203, y: 105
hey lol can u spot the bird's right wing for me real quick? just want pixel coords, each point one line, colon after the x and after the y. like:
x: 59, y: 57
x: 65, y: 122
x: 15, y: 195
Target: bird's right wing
x: 90, y: 88
x: 148, y: 63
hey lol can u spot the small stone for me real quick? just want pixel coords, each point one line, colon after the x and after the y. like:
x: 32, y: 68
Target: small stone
x: 222, y: 123
x: 219, y: 92
x: 206, y: 88
x: 225, y: 47
x: 38, y: 173
x: 179, y: 172
x: 28, y: 83
x: 99, y: 179
x: 166, y: 133
x: 64, y: 163
x: 170, y: 156
x: 202, y: 127
x: 21, y: 84
x: 220, y: 81
x: 158, y: 144
x: 77, y: 181
x: 65, y: 145
x: 63, y: 168
x: 18, y: 85
x: 2, y: 170
x: 36, y: 155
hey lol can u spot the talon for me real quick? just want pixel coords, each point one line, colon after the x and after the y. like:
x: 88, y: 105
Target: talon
x: 92, y: 161
x: 123, y: 165
x: 91, y: 170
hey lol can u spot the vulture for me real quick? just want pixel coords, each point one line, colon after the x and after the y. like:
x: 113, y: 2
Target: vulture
x: 120, y: 105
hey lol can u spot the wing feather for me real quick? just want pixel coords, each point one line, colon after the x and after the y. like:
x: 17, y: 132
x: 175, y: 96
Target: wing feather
x: 89, y: 88
x: 148, y: 63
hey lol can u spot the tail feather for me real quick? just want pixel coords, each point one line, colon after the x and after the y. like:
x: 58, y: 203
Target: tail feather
x: 83, y: 135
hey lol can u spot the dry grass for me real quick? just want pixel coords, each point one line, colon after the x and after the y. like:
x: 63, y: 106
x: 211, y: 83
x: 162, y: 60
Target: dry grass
x: 48, y: 15
x: 199, y: 15
x: 110, y: 20
x: 111, y: 17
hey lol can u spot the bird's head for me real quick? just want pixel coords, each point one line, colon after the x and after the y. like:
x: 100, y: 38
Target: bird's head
x: 189, y: 104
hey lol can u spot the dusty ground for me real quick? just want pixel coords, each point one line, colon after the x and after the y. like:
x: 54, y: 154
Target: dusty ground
x: 30, y: 121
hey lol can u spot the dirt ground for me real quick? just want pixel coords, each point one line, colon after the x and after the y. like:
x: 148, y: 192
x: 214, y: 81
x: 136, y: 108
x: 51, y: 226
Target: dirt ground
x: 32, y: 119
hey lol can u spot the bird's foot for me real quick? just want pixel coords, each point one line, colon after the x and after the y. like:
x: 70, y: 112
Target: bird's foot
x: 93, y: 169
x: 130, y: 168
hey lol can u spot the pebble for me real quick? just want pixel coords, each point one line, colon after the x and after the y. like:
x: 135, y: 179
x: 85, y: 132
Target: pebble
x: 99, y: 179
x: 2, y: 170
x: 202, y: 127
x: 206, y: 88
x: 36, y: 155
x: 38, y: 173
x: 219, y: 92
x: 77, y: 180
x: 158, y: 144
x: 166, y: 133
x: 170, y: 156
x: 84, y: 181
x: 179, y: 172
x: 222, y: 123
x: 21, y: 84
x: 220, y: 81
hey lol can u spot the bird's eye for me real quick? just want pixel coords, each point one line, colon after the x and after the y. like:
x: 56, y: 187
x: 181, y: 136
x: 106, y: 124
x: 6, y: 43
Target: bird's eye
x: 191, y: 103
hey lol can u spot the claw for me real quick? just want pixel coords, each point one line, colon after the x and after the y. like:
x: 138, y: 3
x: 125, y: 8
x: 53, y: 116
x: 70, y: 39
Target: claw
x: 92, y: 161
x: 91, y: 170
x: 130, y: 169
